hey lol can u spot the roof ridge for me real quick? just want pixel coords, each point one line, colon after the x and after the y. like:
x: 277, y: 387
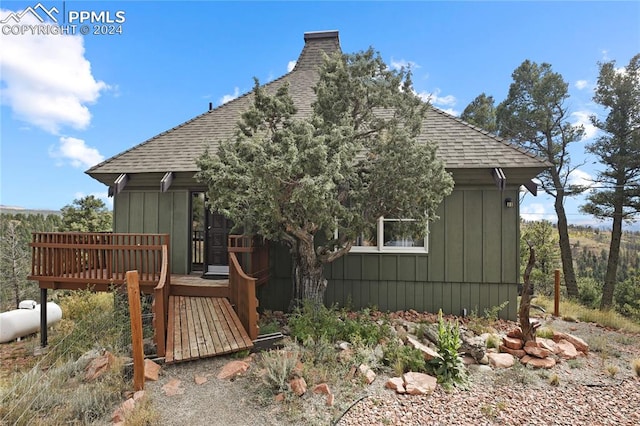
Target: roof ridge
x: 489, y: 134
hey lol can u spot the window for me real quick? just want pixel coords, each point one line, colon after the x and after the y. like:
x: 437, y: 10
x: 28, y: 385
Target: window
x: 391, y: 235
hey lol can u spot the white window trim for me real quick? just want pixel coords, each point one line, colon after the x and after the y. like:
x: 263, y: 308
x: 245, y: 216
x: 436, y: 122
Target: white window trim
x: 381, y: 248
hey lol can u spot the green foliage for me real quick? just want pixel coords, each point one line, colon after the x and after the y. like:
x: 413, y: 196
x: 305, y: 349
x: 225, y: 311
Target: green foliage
x: 403, y: 358
x: 87, y: 214
x: 88, y: 320
x: 493, y: 341
x: 15, y: 255
x: 290, y: 178
x: 627, y: 298
x: 589, y: 292
x: 319, y: 322
x: 448, y: 367
x: 544, y: 238
x: 491, y: 314
x: 481, y: 112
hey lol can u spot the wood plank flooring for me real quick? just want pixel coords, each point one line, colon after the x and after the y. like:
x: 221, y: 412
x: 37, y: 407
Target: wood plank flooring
x: 201, y: 327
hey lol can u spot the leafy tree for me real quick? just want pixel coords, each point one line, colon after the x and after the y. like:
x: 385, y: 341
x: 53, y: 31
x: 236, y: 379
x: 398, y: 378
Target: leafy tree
x: 14, y: 258
x: 333, y: 174
x: 542, y: 237
x: 87, y: 214
x: 481, y: 112
x: 617, y: 196
x: 534, y: 116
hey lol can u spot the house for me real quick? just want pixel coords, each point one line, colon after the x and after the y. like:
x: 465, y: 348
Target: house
x: 470, y: 259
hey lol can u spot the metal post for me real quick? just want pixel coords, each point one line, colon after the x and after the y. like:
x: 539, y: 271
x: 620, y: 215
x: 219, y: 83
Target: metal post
x: 43, y: 317
x: 556, y: 298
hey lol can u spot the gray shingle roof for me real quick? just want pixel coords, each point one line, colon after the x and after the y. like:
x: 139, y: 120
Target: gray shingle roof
x: 460, y: 144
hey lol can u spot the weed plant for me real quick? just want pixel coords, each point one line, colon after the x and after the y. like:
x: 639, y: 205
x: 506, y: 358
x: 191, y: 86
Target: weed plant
x: 448, y: 367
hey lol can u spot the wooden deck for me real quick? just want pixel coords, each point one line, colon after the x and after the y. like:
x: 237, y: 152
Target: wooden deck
x: 201, y: 327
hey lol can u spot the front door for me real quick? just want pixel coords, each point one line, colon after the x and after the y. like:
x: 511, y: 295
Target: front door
x: 218, y: 228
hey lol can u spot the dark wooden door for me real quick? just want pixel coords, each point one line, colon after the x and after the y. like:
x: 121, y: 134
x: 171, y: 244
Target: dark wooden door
x: 218, y: 228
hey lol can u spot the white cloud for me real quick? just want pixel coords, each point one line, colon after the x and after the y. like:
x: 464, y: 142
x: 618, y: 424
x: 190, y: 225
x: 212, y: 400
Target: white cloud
x: 582, y: 178
x: 291, y: 65
x: 533, y: 211
x: 583, y: 118
x: 451, y: 111
x: 76, y: 152
x: 46, y: 79
x: 401, y: 63
x: 227, y: 98
x: 435, y: 99
x: 581, y: 84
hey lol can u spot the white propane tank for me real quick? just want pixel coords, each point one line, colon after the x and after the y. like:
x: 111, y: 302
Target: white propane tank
x: 21, y: 322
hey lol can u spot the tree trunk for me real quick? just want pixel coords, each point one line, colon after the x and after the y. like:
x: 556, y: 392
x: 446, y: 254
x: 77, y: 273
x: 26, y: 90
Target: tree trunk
x: 610, y: 277
x: 565, y: 246
x: 309, y: 281
x: 528, y: 331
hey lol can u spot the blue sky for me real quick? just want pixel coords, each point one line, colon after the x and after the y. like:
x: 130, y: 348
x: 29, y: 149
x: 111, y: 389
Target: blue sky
x: 70, y: 101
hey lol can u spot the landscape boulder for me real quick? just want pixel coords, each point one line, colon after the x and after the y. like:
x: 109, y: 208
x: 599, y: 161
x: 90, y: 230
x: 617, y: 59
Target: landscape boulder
x: 419, y: 383
x: 503, y: 360
x: 232, y: 369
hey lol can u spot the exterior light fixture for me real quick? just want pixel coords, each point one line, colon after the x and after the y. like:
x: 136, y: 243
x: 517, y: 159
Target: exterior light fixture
x: 508, y: 202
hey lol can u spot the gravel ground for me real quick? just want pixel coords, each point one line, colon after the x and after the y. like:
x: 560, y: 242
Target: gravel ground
x: 586, y: 394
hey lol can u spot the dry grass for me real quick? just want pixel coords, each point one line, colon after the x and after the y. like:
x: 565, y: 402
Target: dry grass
x: 610, y: 318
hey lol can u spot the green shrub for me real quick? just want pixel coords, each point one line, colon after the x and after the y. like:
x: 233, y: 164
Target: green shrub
x: 319, y: 322
x: 403, y: 359
x: 589, y: 292
x: 449, y: 368
x: 278, y: 366
x: 627, y: 298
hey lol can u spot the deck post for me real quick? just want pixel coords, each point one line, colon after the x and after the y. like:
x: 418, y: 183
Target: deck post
x: 135, y: 314
x: 43, y: 317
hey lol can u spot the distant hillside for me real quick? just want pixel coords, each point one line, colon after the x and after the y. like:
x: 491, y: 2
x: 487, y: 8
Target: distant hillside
x: 22, y: 210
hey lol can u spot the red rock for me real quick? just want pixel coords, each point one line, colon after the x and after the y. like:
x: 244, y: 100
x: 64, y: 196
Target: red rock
x: 531, y: 344
x: 279, y: 397
x: 518, y: 353
x: 566, y: 350
x: 98, y: 366
x: 427, y: 352
x: 516, y: 333
x: 199, y: 379
x: 367, y: 372
x: 468, y: 360
x: 322, y: 388
x: 138, y: 395
x: 537, y: 352
x: 232, y: 369
x: 512, y: 342
x: 547, y: 344
x: 541, y: 362
x: 298, y: 386
x: 578, y: 343
x: 419, y: 383
x: 397, y: 384
x: 173, y: 388
x: 501, y: 360
x: 352, y: 373
x: 120, y: 414
x: 151, y: 370
x: 330, y: 400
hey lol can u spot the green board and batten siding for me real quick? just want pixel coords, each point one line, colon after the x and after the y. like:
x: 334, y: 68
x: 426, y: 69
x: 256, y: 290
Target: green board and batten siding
x: 157, y: 213
x: 462, y: 270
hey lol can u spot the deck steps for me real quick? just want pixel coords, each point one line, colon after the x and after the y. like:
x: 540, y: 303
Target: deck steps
x: 202, y: 327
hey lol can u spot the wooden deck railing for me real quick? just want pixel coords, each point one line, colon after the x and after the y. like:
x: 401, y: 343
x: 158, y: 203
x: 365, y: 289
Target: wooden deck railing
x: 160, y: 304
x: 72, y: 260
x: 100, y: 261
x: 252, y: 255
x: 242, y: 291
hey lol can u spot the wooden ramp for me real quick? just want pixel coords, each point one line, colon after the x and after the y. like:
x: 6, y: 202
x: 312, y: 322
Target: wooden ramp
x: 201, y: 327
